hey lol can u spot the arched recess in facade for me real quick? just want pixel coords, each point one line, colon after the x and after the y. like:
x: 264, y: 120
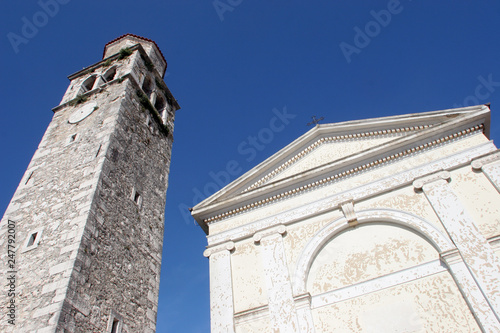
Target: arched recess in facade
x: 421, y: 227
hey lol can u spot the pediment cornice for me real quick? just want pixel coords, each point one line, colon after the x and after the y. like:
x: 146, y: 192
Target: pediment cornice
x: 257, y: 188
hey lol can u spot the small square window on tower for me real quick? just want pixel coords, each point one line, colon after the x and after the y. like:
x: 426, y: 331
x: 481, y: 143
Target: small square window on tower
x: 136, y: 197
x: 115, y: 323
x: 32, y: 240
x: 72, y: 138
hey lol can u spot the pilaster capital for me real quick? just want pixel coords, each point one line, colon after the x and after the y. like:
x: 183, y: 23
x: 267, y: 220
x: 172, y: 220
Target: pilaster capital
x: 478, y: 163
x: 441, y: 175
x: 450, y: 256
x: 279, y: 229
x: 228, y: 246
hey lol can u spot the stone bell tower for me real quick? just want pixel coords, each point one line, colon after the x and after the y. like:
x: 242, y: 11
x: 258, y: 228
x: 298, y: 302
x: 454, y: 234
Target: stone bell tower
x: 81, y: 240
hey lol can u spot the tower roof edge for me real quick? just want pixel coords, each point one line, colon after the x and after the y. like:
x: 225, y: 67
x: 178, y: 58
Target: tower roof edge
x: 110, y: 48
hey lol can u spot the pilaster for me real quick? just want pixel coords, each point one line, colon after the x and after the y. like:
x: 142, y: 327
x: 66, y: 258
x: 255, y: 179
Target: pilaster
x: 221, y: 288
x: 304, y: 314
x: 473, y: 247
x: 282, y: 309
x: 485, y: 317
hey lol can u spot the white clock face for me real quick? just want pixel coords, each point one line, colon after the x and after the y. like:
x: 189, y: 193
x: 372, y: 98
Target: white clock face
x: 82, y: 113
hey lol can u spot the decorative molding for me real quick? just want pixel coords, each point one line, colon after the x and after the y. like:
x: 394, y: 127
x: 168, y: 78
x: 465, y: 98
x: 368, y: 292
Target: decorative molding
x: 441, y: 175
x: 340, y: 175
x: 228, y: 246
x: 477, y: 164
x: 280, y: 229
x: 349, y: 213
x: 301, y: 301
x: 252, y: 314
x: 450, y: 257
x: 360, y: 193
x: 333, y: 139
x: 494, y: 242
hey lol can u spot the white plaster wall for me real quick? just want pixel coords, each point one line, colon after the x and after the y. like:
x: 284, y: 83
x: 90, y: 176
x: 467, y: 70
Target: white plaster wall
x: 249, y: 289
x: 406, y: 200
x: 480, y: 198
x: 430, y: 304
x: 299, y: 234
x: 254, y: 326
x: 366, y: 252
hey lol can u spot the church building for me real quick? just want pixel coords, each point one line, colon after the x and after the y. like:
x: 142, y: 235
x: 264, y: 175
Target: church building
x: 379, y: 225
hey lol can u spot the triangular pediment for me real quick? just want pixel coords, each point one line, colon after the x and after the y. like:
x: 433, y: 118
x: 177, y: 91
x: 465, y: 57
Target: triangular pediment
x: 331, y: 148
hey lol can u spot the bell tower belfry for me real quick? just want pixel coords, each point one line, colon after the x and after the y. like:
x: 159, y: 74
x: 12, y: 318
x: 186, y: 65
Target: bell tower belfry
x: 82, y: 236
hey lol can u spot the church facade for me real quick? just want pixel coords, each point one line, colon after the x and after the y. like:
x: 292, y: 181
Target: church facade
x: 83, y: 233
x: 380, y: 225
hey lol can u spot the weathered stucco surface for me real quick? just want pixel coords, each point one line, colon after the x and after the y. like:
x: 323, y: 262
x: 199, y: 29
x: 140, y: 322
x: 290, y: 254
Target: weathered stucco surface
x: 366, y: 252
x: 248, y: 284
x: 404, y: 199
x: 479, y: 197
x: 431, y: 304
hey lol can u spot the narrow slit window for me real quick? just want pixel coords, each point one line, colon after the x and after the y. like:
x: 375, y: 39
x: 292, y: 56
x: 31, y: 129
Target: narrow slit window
x: 115, y: 323
x: 114, y: 326
x: 98, y: 150
x: 137, y: 197
x: 32, y: 239
x: 29, y: 178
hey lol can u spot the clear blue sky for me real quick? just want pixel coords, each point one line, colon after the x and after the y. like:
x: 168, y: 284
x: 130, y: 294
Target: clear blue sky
x: 229, y: 68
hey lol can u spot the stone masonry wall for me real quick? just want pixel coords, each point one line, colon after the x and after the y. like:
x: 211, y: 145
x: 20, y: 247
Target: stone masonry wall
x: 99, y: 254
x: 57, y: 198
x: 123, y: 244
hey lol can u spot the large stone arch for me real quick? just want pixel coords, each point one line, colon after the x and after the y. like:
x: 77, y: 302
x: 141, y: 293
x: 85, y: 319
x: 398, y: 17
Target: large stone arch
x: 421, y: 227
